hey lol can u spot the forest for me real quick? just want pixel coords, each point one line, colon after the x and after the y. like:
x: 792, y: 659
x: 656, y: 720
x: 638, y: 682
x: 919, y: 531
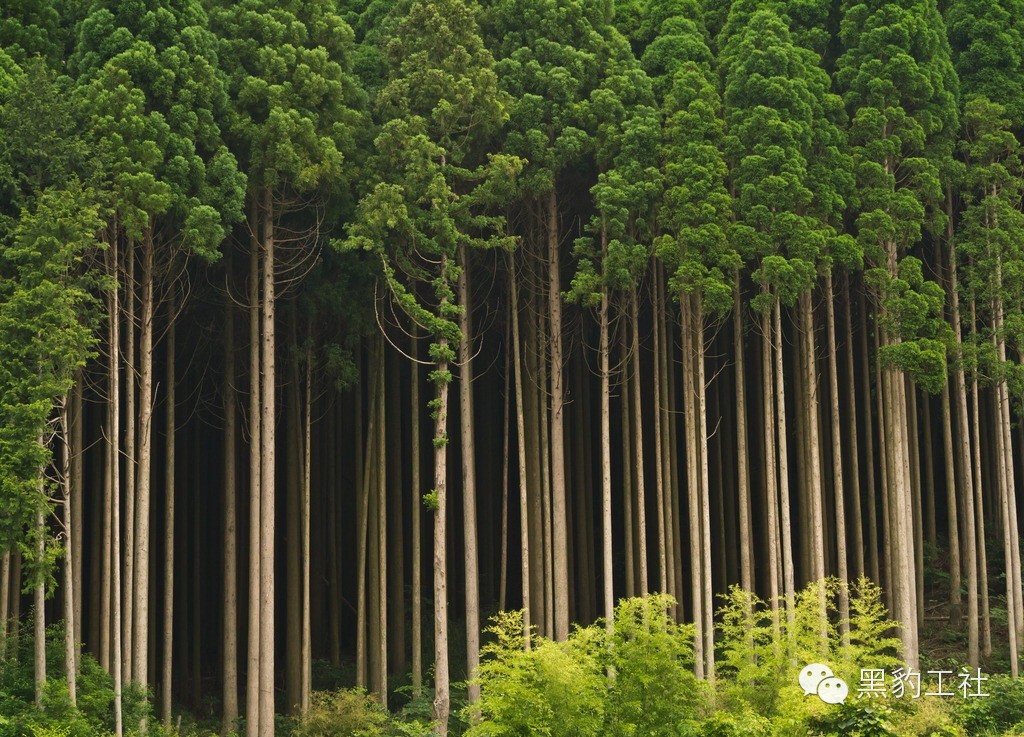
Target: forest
x: 509, y: 367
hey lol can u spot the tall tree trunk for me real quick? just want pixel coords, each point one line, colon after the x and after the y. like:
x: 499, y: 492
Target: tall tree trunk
x: 560, y: 556
x: 789, y: 582
x: 979, y: 501
x: 130, y: 467
x: 638, y: 444
x: 442, y: 694
x: 70, y: 562
x: 524, y: 512
x: 743, y: 460
x: 469, y: 520
x: 140, y: 617
x: 307, y: 490
x: 381, y: 686
x: 705, y: 500
x: 230, y: 631
x: 770, y: 468
x: 604, y: 369
x: 252, y: 700
x: 693, y: 496
x: 837, y: 461
x: 268, y: 468
x: 77, y: 508
x: 114, y: 496
x: 417, y: 505
x: 167, y: 635
x: 659, y: 446
x: 851, y: 435
x: 39, y: 597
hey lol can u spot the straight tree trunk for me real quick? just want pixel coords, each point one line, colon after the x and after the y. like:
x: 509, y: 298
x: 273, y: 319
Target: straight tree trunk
x: 70, y: 562
x: 979, y: 499
x: 604, y: 368
x: 39, y: 601
x: 268, y: 468
x: 789, y: 582
x: 77, y: 508
x: 770, y: 468
x: 560, y: 555
x: 307, y: 490
x: 230, y: 666
x: 837, y: 461
x: 638, y: 445
x: 130, y: 467
x: 694, y: 501
x: 417, y: 504
x: 252, y: 701
x: 140, y: 616
x: 469, y: 516
x: 524, y: 512
x: 381, y: 686
x: 851, y: 435
x: 167, y: 635
x: 705, y: 501
x: 114, y: 496
x: 743, y: 460
x: 442, y: 684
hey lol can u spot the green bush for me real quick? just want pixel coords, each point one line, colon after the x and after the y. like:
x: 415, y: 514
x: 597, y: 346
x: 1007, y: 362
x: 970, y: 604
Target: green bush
x: 352, y: 713
x: 93, y: 716
x: 1000, y: 711
x: 855, y: 719
x: 654, y: 690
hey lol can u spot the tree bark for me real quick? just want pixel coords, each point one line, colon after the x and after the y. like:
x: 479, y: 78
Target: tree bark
x: 230, y: 666
x: 560, y: 556
x: 524, y: 511
x: 70, y: 562
x: 140, y: 616
x: 167, y: 637
x: 442, y: 694
x: 268, y: 468
x: 469, y: 515
x: 743, y: 460
x: 837, y: 462
x: 252, y: 701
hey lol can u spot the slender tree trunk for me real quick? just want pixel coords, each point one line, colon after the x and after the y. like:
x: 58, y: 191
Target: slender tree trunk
x: 705, y: 500
x: 268, y: 468
x: 770, y: 468
x: 363, y: 554
x: 140, y: 616
x: 70, y: 562
x: 39, y: 599
x: 252, y: 701
x: 638, y: 445
x: 851, y: 435
x: 694, y: 501
x: 814, y: 486
x: 442, y: 695
x: 743, y: 460
x: 417, y: 505
x: 130, y: 468
x: 167, y: 635
x: 979, y: 501
x: 114, y: 425
x: 5, y: 595
x: 604, y: 368
x: 560, y: 556
x: 307, y: 491
x: 381, y: 686
x: 524, y: 511
x: 837, y: 461
x: 230, y: 694
x: 77, y: 510
x: 469, y: 520
x: 789, y: 582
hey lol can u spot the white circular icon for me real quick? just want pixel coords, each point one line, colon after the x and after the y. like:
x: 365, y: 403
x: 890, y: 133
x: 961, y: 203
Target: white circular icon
x: 812, y: 675
x: 833, y: 690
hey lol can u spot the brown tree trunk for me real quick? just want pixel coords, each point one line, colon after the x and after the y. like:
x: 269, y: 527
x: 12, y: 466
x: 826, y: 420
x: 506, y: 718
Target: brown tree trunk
x: 140, y: 616
x: 70, y: 562
x: 268, y: 466
x: 230, y: 630
x: 252, y: 700
x: 524, y: 511
x: 559, y: 541
x: 469, y: 517
x: 746, y: 540
x: 167, y: 635
x: 837, y: 461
